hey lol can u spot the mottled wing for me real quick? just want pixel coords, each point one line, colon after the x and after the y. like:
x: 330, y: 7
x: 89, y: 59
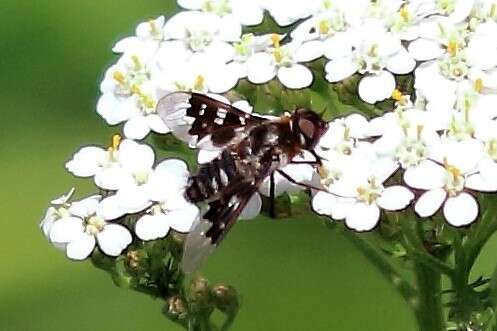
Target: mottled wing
x: 216, y: 222
x: 204, y: 122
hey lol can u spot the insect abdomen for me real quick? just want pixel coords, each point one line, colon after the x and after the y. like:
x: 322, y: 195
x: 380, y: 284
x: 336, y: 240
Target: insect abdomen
x: 212, y: 177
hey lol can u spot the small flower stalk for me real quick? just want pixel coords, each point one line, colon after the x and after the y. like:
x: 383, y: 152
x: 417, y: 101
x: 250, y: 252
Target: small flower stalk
x: 406, y: 167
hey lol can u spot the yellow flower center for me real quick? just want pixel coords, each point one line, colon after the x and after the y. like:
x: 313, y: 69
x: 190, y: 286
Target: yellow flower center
x: 114, y: 147
x: 119, y: 77
x: 324, y: 27
x: 404, y: 13
x: 370, y: 192
x: 454, y: 182
x: 94, y: 225
x: 452, y: 48
x: 397, y: 95
x: 199, y: 84
x: 478, y: 85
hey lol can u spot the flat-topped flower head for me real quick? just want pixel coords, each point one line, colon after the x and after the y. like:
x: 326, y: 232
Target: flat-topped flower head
x: 78, y: 227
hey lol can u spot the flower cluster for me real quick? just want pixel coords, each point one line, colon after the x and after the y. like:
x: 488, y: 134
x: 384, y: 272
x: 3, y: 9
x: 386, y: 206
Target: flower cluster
x: 134, y: 199
x: 434, y: 149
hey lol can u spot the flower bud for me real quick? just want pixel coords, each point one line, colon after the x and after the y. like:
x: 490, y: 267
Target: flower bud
x: 225, y: 298
x: 175, y: 308
x: 200, y: 292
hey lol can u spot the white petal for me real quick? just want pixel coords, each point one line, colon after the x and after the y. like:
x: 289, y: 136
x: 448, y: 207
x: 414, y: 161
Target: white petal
x: 461, y: 210
x: 229, y: 28
x: 85, y: 207
x: 426, y: 176
x: 220, y: 51
x: 295, y: 77
x: 62, y: 200
x: 326, y: 204
x: 425, y: 49
x: 339, y: 69
x: 114, y: 239
x: 261, y: 68
x: 136, y: 128
x: 220, y: 79
x: 395, y: 198
x: 86, y: 162
x: 48, y: 221
x: 338, y: 47
x: 430, y: 202
x: 488, y: 169
x: 110, y: 209
x: 155, y: 123
x: 182, y: 219
x: 363, y: 217
x: 310, y: 51
x: 401, y: 63
x: 136, y: 157
x: 374, y: 88
x: 112, y: 178
x: 151, y: 227
x: 479, y: 183
x: 253, y: 208
x: 81, y: 247
x: 464, y: 155
x: 66, y: 229
x: 243, y: 105
x: 247, y: 12
x: 133, y: 199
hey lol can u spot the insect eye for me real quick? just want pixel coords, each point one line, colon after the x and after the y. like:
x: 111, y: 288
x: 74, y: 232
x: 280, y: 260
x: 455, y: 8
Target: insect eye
x: 307, y: 127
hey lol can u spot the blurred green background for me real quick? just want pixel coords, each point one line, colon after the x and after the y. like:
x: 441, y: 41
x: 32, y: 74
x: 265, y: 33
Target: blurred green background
x: 292, y: 275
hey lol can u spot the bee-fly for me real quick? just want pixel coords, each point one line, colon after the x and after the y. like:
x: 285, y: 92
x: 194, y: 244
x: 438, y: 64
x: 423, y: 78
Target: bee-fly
x: 251, y: 149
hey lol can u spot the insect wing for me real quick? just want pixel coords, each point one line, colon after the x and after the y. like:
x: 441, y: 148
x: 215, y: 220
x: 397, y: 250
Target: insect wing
x: 204, y: 122
x: 207, y: 233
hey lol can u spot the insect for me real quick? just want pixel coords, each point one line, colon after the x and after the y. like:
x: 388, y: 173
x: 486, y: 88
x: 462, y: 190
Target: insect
x: 251, y: 149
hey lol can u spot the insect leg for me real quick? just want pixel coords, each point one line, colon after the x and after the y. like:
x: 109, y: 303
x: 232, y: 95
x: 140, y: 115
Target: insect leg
x: 306, y: 162
x: 272, y: 212
x: 291, y: 180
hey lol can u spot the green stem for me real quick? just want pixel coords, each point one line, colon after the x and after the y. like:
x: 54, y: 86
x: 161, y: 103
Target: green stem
x: 429, y: 305
x: 381, y: 263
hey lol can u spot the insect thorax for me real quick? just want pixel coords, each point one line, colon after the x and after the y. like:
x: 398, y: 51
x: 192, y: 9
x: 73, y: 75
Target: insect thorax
x: 250, y: 161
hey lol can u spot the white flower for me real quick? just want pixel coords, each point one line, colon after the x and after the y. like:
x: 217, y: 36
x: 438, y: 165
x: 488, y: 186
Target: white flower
x: 361, y: 211
x: 248, y: 46
x: 408, y: 138
x: 280, y: 61
x: 79, y: 227
x: 170, y: 209
x: 316, y: 31
x: 115, y: 167
x: 242, y: 11
x: 374, y: 53
x: 57, y: 209
x: 447, y: 181
x: 148, y: 34
x: 199, y: 73
x: 130, y: 93
x: 485, y: 179
x: 191, y: 32
x: 456, y: 54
